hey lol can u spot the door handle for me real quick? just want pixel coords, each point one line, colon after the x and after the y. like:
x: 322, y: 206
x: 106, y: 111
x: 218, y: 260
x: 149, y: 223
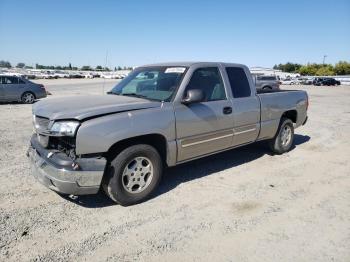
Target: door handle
x: 227, y: 110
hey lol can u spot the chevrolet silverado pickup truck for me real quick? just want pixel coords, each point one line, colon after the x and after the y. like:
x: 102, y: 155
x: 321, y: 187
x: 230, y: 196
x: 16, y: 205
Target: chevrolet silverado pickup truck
x: 159, y: 116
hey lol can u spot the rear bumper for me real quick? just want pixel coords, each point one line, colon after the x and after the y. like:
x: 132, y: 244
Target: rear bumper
x: 56, y: 174
x: 39, y: 95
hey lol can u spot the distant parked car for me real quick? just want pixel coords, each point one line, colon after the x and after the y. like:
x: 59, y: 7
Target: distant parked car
x: 305, y: 80
x: 289, y: 81
x: 60, y: 74
x: 267, y: 82
x: 91, y: 75
x: 76, y: 75
x: 30, y: 76
x: 325, y: 81
x: 13, y: 88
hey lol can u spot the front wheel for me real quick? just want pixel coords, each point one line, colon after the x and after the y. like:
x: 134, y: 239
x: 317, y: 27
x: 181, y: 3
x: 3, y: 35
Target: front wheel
x: 133, y: 175
x: 283, y: 140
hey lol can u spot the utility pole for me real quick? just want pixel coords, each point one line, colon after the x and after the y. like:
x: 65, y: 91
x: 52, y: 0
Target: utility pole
x: 324, y: 59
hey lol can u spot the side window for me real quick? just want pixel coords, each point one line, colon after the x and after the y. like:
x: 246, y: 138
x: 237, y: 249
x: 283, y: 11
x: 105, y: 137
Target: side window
x: 10, y: 80
x: 20, y: 81
x: 238, y: 82
x: 209, y: 81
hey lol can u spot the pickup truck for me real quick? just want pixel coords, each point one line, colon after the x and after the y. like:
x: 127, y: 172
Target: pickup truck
x: 159, y: 116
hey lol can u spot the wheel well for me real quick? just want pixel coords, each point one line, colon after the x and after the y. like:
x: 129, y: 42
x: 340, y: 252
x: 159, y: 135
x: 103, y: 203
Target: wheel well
x: 267, y: 87
x: 28, y: 92
x: 156, y: 140
x: 291, y: 114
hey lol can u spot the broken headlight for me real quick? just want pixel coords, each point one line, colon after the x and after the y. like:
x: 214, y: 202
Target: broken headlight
x: 64, y: 128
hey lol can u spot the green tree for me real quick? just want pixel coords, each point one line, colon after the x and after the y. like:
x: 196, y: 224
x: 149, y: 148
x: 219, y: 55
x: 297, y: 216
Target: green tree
x: 309, y: 69
x: 20, y: 65
x: 326, y: 70
x: 86, y: 68
x: 98, y: 67
x: 6, y: 64
x: 288, y: 67
x: 342, y: 68
x: 276, y: 67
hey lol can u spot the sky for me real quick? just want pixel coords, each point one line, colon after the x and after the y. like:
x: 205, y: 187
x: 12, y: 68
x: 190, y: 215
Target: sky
x: 132, y: 33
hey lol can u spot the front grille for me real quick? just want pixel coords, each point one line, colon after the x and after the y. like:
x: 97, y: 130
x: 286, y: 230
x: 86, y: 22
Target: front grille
x: 62, y: 143
x: 41, y: 123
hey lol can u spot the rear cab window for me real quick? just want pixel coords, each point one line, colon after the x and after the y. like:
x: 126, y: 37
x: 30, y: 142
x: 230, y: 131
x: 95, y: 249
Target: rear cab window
x: 239, y: 82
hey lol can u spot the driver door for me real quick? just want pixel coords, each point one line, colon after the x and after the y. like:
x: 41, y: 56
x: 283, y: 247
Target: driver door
x: 207, y: 126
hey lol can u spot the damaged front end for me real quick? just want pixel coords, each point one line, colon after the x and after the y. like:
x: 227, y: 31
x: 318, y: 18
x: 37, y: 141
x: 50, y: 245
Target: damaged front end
x: 55, y: 163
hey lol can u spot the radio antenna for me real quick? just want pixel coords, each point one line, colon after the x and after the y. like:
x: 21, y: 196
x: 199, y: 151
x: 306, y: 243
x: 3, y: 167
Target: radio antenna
x: 104, y: 79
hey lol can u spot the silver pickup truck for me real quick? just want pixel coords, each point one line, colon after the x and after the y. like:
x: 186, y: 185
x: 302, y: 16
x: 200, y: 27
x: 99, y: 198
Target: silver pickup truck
x: 158, y: 116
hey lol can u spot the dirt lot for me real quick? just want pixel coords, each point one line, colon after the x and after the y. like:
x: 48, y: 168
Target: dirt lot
x: 242, y: 205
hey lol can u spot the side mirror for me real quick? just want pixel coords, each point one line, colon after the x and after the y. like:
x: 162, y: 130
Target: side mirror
x: 193, y: 96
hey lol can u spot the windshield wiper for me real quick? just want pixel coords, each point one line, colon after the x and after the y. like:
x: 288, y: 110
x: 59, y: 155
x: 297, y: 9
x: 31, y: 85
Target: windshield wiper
x: 139, y: 96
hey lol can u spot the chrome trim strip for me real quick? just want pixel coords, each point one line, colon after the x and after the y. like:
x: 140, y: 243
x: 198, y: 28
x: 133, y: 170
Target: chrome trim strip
x: 206, y: 140
x: 245, y: 131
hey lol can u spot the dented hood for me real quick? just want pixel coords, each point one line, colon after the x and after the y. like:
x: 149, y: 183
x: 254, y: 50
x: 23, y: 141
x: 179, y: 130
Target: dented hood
x: 82, y: 107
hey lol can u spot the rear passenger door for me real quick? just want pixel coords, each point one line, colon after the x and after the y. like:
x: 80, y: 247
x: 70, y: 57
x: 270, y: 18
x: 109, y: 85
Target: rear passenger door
x: 246, y: 107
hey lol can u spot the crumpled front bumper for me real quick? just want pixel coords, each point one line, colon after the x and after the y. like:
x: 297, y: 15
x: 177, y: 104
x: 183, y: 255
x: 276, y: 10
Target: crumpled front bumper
x: 55, y: 171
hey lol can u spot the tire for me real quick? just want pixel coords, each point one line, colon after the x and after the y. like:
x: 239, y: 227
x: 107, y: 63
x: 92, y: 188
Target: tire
x: 28, y: 98
x: 124, y: 181
x: 267, y: 88
x: 283, y: 140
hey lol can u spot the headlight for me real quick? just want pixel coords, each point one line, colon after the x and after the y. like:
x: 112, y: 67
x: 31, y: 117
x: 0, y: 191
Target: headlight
x: 64, y: 128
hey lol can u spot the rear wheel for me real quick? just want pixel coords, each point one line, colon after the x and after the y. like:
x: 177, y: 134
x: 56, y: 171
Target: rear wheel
x: 283, y: 140
x: 267, y: 88
x: 28, y: 98
x: 133, y: 175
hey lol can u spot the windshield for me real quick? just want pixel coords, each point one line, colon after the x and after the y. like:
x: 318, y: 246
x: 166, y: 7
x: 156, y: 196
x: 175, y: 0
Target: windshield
x: 154, y: 83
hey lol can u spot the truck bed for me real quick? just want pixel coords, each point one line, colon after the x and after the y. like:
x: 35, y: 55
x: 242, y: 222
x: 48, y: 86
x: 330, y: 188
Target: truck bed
x: 273, y: 103
x: 266, y: 91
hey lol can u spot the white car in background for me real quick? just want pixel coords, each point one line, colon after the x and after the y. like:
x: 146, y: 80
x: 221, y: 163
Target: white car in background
x: 60, y: 74
x: 289, y: 81
x: 91, y: 75
x: 109, y: 75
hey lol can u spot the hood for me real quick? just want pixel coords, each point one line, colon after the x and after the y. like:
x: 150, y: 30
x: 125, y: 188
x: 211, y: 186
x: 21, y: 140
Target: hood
x: 82, y: 107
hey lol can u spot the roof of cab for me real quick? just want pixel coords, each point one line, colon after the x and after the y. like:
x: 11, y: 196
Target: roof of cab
x: 188, y: 64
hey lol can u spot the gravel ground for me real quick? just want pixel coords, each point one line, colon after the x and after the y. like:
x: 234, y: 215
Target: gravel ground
x: 241, y: 205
